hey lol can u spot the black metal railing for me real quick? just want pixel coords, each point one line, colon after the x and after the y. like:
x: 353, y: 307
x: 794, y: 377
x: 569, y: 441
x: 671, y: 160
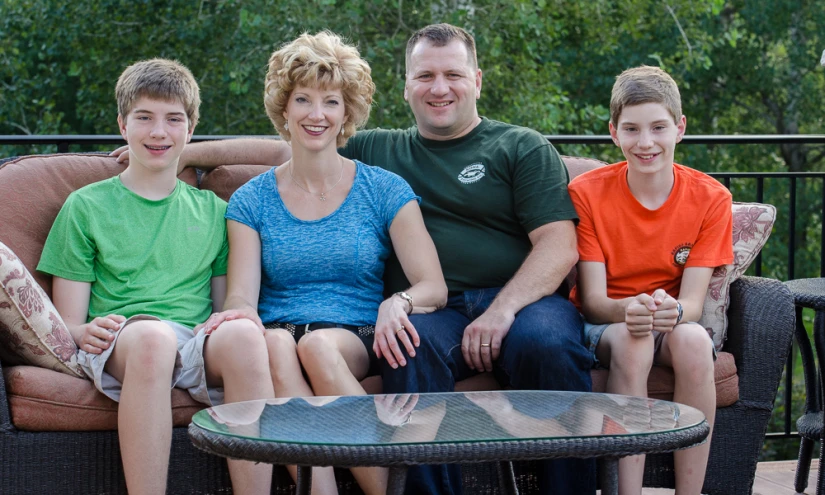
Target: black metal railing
x: 757, y: 193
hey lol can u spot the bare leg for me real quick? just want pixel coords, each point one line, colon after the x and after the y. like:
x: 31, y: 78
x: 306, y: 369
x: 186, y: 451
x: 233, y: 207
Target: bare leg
x: 335, y: 359
x: 688, y: 349
x: 630, y: 359
x: 288, y: 381
x: 143, y: 361
x: 236, y: 359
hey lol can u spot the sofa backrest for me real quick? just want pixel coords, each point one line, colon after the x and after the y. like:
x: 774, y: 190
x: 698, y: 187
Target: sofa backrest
x: 224, y: 180
x: 34, y: 188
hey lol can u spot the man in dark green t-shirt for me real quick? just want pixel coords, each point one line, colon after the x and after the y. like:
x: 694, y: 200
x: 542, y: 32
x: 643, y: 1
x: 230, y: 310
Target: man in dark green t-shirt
x: 494, y: 199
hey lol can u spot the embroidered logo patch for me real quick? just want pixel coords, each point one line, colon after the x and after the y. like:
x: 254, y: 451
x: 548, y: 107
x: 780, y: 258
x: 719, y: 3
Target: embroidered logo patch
x: 471, y: 173
x: 680, y: 254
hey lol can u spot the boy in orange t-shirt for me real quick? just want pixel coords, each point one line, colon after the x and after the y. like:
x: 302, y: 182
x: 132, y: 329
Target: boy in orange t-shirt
x: 650, y: 234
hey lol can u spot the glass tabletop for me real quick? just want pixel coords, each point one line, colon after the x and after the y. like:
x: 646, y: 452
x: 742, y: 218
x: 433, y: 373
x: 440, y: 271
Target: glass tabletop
x: 455, y: 417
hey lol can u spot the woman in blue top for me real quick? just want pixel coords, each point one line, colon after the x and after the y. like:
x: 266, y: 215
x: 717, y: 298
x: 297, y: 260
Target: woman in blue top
x: 308, y: 239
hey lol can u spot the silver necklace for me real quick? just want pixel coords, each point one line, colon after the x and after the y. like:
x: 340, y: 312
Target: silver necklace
x: 323, y: 194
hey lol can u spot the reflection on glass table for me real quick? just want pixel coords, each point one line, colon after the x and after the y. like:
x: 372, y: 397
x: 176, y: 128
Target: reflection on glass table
x: 401, y: 430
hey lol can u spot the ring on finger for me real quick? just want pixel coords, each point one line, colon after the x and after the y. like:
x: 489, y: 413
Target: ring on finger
x: 400, y: 329
x: 485, y: 345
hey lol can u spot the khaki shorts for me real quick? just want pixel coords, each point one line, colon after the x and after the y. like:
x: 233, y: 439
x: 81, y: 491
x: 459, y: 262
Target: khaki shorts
x: 189, y: 373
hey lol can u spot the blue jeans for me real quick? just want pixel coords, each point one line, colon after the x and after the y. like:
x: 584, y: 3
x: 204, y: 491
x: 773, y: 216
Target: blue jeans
x: 544, y: 350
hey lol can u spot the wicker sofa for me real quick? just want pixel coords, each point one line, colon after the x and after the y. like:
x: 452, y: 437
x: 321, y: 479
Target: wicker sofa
x: 57, y: 434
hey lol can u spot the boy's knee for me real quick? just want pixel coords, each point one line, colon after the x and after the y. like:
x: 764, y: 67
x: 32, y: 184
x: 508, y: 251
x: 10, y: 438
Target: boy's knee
x: 148, y: 345
x: 690, y: 343
x: 152, y: 337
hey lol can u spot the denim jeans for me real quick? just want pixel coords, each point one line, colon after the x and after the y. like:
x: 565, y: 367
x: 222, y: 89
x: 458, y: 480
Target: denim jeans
x: 544, y: 350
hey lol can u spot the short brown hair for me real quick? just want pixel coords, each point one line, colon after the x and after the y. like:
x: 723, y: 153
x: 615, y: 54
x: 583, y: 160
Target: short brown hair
x: 441, y: 35
x: 322, y: 61
x: 644, y: 84
x: 159, y: 79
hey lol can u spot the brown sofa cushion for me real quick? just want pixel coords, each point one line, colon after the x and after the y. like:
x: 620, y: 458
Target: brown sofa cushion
x: 43, y: 400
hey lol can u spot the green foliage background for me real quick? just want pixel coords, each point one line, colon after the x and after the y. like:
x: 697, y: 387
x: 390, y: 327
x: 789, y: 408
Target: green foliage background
x: 744, y: 67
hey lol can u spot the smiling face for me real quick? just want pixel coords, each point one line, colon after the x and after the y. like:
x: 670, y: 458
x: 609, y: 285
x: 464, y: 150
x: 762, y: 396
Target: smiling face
x: 157, y: 132
x: 315, y: 117
x: 442, y: 88
x: 648, y: 135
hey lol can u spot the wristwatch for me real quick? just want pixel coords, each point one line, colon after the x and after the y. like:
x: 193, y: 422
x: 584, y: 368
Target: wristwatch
x: 679, y: 309
x: 408, y: 298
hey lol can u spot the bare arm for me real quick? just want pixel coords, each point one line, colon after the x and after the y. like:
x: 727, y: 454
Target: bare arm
x: 692, y: 291
x: 71, y: 299
x: 210, y: 154
x: 592, y: 287
x: 553, y: 255
x: 243, y: 277
x: 419, y: 259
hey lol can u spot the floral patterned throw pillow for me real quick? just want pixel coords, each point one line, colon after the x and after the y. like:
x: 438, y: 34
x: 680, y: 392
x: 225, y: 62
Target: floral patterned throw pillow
x: 752, y: 224
x: 31, y: 331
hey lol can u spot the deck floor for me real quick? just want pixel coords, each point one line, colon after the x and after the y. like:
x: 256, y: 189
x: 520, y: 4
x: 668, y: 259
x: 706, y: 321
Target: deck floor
x: 772, y: 478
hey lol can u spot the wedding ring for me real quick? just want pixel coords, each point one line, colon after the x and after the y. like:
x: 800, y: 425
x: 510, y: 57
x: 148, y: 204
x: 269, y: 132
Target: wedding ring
x: 400, y: 330
x: 485, y: 345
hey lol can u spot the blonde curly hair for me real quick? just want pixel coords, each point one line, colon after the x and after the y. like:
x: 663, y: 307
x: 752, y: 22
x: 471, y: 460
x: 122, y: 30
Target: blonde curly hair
x: 323, y: 61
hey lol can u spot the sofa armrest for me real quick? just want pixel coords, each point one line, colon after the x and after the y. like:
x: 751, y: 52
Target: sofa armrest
x: 760, y: 332
x: 5, y: 415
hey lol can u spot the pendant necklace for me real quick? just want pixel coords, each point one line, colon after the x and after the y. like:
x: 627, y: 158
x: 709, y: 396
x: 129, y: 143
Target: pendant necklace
x: 323, y: 194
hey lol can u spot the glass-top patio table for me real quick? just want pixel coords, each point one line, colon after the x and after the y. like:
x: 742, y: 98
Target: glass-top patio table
x: 457, y: 427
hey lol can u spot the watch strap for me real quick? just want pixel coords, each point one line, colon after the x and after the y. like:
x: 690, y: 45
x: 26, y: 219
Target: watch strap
x: 403, y: 295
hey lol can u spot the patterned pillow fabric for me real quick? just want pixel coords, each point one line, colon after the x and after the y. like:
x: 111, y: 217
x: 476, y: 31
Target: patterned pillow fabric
x: 31, y: 331
x: 752, y: 224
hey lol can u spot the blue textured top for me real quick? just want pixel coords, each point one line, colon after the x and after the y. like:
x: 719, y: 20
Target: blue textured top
x: 329, y: 269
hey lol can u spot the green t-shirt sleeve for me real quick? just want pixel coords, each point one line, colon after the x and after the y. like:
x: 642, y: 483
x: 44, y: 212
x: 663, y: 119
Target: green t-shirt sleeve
x: 221, y: 261
x: 70, y: 249
x: 540, y: 185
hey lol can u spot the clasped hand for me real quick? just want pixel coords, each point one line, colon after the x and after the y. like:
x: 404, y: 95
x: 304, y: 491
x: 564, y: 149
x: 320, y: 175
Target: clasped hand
x: 646, y: 313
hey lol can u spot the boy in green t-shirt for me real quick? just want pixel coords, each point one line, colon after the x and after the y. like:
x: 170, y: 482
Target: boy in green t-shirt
x: 139, y: 260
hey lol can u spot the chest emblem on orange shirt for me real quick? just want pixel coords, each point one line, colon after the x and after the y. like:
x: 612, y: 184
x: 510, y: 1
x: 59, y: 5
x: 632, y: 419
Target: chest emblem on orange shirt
x: 471, y: 173
x: 681, y: 253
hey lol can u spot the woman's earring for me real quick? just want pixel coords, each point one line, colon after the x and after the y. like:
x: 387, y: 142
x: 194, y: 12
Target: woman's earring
x: 342, y: 130
x: 286, y: 126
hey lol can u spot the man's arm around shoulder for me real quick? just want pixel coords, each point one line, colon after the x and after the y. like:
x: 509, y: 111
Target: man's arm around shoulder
x: 211, y: 154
